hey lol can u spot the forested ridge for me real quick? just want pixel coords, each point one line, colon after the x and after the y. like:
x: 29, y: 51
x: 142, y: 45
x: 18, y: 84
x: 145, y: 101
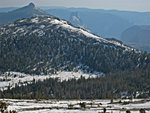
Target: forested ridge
x: 46, y: 45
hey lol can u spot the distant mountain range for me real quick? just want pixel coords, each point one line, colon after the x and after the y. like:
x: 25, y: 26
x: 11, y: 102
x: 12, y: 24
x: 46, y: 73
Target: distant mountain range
x: 106, y: 23
x: 100, y: 23
x: 24, y: 12
x: 137, y: 36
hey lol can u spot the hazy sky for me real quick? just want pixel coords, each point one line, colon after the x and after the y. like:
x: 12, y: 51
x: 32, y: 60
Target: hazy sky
x: 134, y: 5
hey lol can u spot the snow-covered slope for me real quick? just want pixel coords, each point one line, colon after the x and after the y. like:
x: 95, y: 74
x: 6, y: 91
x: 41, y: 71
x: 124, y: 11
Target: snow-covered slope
x: 50, y: 21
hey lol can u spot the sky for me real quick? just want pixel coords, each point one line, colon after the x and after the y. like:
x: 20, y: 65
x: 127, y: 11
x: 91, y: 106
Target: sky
x: 128, y: 5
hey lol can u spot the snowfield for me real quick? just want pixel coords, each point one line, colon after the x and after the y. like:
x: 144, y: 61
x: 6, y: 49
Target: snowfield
x: 63, y: 106
x: 11, y: 79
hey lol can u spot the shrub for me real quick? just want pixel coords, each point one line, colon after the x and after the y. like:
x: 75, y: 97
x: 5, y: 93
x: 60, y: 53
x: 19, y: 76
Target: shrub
x: 128, y: 111
x: 83, y: 105
x: 3, y: 107
x: 142, y: 111
x: 70, y: 106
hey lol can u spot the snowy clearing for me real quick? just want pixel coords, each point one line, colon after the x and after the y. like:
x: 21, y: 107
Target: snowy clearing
x: 11, y: 79
x: 73, y: 106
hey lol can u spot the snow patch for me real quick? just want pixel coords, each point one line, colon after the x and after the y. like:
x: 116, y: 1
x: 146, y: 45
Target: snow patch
x: 35, y: 20
x: 42, y: 26
x: 73, y: 75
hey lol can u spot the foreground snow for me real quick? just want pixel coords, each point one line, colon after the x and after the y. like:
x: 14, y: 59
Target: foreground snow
x: 11, y: 79
x: 62, y: 106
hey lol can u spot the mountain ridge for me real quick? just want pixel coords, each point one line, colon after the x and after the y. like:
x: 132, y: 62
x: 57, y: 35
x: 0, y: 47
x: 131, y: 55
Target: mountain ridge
x: 43, y: 45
